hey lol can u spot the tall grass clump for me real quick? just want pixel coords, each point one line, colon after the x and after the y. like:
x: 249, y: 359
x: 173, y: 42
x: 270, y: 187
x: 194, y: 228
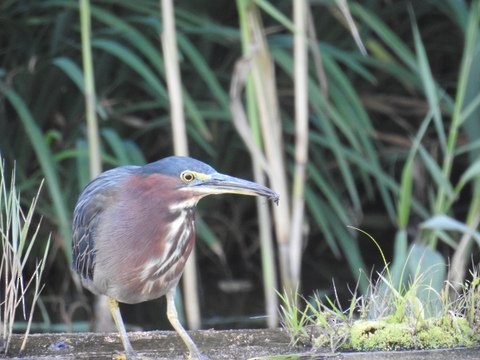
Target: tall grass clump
x: 18, y: 234
x: 390, y: 315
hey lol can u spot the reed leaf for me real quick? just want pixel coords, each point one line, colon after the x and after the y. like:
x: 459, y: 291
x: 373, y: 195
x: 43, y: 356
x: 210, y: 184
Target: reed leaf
x: 48, y: 166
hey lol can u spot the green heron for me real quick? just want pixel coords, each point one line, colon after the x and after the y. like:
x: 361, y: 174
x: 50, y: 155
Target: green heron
x: 134, y: 228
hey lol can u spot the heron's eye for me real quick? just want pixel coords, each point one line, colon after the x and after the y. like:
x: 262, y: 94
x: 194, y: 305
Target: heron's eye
x: 187, y: 176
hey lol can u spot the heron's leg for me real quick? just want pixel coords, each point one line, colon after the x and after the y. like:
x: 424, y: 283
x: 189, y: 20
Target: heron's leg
x: 173, y: 318
x: 117, y: 318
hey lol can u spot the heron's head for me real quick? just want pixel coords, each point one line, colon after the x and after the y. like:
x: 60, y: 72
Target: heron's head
x: 192, y: 179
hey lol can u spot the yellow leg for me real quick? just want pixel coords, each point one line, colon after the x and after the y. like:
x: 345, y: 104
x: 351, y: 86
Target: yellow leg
x: 117, y: 317
x: 173, y: 318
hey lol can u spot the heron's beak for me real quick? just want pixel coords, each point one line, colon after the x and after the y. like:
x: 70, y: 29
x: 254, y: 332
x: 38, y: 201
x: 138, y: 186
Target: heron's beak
x: 224, y: 184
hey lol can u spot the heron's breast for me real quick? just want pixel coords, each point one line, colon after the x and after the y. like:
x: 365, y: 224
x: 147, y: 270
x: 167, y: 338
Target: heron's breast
x: 154, y: 277
x: 152, y: 259
x: 159, y: 274
x: 147, y: 237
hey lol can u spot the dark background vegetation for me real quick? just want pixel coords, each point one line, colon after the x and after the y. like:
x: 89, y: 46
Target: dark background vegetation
x: 380, y: 101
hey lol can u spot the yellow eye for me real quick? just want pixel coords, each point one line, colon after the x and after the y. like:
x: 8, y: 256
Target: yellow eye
x: 187, y: 176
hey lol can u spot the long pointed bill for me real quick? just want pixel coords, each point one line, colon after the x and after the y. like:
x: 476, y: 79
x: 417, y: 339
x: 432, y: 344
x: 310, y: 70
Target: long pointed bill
x: 224, y: 184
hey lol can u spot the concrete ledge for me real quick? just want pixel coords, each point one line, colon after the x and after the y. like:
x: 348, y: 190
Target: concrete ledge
x: 230, y: 344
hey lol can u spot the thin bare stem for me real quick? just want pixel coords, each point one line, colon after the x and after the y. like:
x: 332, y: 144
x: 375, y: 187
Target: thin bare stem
x: 269, y: 113
x: 90, y: 96
x: 180, y: 144
x: 239, y: 79
x: 301, y: 137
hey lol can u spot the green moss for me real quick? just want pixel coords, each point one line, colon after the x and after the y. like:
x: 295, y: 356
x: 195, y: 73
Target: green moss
x: 448, y: 331
x: 380, y: 335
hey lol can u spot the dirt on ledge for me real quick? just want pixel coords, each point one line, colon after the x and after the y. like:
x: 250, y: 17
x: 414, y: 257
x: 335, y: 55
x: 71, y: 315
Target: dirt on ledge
x: 229, y: 344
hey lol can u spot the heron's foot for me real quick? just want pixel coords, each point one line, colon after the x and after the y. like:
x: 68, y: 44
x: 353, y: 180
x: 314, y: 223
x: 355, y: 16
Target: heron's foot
x: 119, y: 357
x: 123, y: 356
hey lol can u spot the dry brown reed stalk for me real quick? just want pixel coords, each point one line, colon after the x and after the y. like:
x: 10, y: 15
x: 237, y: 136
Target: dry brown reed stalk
x: 180, y: 144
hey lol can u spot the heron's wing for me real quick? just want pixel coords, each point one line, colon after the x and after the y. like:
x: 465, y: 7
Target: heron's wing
x: 91, y: 204
x: 85, y: 223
